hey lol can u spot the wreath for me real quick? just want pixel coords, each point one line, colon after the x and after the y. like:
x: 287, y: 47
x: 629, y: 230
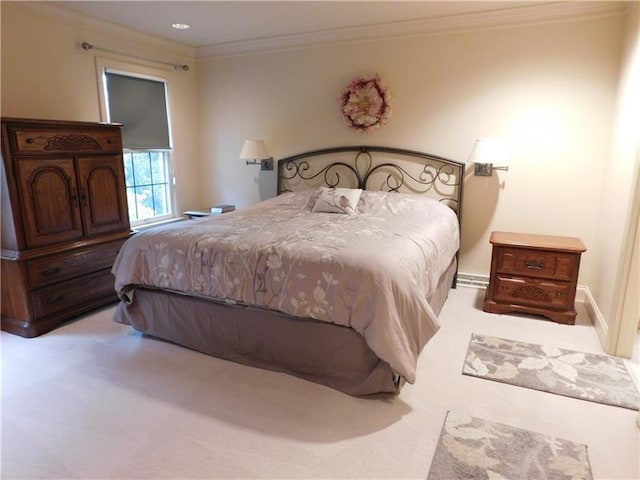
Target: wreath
x: 366, y: 103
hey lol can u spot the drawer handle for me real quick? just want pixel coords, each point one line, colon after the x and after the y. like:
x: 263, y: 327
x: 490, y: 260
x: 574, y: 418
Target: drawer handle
x: 54, y: 300
x: 50, y: 271
x: 30, y: 140
x: 534, y: 265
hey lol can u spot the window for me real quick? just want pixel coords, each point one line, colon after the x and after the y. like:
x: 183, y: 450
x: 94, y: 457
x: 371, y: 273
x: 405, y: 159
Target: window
x: 139, y: 102
x: 148, y: 186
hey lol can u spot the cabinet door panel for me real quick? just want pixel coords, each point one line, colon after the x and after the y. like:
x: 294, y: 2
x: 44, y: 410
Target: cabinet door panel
x: 102, y: 190
x: 49, y: 200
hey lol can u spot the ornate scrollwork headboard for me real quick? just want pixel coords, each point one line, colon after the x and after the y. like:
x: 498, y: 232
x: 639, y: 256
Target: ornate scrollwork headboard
x: 375, y: 168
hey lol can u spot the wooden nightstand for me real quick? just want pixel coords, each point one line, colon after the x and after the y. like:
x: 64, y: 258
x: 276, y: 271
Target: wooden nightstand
x: 535, y: 274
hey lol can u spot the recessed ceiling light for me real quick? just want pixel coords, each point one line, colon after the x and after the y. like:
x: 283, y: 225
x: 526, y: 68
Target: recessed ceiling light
x: 180, y: 26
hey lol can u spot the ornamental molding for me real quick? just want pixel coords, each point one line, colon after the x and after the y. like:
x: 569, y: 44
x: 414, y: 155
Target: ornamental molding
x: 74, y: 141
x: 529, y: 14
x: 529, y: 292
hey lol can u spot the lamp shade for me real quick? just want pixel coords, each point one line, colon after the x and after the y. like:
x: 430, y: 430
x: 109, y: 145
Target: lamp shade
x: 253, y: 150
x: 488, y: 150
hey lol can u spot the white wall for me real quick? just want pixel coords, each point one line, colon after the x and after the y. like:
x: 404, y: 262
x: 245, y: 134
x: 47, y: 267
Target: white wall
x: 548, y: 90
x: 45, y: 74
x: 618, y: 213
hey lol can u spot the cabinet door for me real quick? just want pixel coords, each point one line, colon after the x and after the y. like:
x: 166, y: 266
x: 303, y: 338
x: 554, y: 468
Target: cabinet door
x: 102, y: 194
x: 49, y: 200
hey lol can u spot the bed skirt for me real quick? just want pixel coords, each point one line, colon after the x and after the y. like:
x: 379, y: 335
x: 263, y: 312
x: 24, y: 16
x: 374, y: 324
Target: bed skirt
x: 321, y: 352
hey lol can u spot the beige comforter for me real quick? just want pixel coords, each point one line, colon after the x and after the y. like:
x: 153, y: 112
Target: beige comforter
x: 371, y: 271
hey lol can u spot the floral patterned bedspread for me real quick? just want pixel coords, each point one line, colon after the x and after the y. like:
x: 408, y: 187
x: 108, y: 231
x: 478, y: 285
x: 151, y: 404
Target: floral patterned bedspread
x: 371, y: 271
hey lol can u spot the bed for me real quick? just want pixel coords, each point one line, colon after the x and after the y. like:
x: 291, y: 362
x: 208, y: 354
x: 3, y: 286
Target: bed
x: 338, y: 279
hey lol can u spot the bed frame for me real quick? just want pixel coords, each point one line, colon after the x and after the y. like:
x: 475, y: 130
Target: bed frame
x: 321, y: 352
x: 375, y: 168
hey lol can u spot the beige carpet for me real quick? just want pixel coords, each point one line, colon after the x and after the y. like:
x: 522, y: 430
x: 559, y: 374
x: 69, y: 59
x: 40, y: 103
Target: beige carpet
x: 95, y: 400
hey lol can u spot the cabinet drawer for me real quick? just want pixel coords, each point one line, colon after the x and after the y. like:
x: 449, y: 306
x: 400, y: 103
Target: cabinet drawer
x: 56, y: 268
x: 537, y: 293
x: 537, y: 263
x: 73, y: 293
x: 32, y: 141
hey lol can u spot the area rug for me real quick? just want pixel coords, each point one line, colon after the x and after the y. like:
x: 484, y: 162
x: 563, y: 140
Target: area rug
x: 471, y: 447
x: 587, y: 376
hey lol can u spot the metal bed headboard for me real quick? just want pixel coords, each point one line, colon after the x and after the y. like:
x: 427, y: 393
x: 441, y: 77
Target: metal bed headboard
x: 375, y: 168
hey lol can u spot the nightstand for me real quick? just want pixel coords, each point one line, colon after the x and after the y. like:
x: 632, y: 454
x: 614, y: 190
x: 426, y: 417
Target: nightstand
x: 535, y: 274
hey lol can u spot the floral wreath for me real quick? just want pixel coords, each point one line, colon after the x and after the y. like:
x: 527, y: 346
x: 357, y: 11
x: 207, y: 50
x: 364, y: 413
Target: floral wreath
x: 366, y: 103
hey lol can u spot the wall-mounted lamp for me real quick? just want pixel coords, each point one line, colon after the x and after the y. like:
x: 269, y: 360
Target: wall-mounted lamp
x: 255, y: 153
x: 485, y: 153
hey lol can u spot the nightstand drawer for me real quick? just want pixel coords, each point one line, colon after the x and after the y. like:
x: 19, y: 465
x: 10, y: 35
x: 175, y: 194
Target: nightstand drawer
x: 537, y: 263
x: 537, y: 293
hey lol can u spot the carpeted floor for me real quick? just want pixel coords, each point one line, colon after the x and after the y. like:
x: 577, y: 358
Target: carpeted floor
x: 94, y: 400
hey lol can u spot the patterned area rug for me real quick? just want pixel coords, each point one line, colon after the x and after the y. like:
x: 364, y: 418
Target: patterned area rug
x: 471, y: 447
x: 588, y: 376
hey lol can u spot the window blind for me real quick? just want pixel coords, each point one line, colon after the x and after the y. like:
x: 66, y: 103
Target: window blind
x: 140, y: 105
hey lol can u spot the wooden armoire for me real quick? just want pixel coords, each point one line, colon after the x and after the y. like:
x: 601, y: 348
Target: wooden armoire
x: 64, y: 218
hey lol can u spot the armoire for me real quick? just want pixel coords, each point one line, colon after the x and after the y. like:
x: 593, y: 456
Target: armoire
x: 64, y: 219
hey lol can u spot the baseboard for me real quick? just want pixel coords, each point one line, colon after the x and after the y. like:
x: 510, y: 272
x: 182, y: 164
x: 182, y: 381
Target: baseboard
x: 583, y: 295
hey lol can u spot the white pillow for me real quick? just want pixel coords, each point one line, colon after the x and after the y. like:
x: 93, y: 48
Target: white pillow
x: 337, y: 200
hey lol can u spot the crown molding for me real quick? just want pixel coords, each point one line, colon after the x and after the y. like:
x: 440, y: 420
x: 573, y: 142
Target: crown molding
x: 529, y: 14
x: 92, y: 24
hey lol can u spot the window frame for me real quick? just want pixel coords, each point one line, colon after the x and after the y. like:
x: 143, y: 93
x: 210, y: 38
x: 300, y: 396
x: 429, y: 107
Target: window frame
x: 168, y: 183
x: 104, y: 65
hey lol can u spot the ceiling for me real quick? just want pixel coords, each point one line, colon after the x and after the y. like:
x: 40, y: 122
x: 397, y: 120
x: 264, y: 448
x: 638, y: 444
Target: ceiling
x: 216, y: 23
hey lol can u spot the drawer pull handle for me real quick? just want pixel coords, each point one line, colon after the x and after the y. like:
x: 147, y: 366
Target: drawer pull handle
x: 30, y: 140
x: 533, y: 265
x: 54, y: 300
x: 50, y: 271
